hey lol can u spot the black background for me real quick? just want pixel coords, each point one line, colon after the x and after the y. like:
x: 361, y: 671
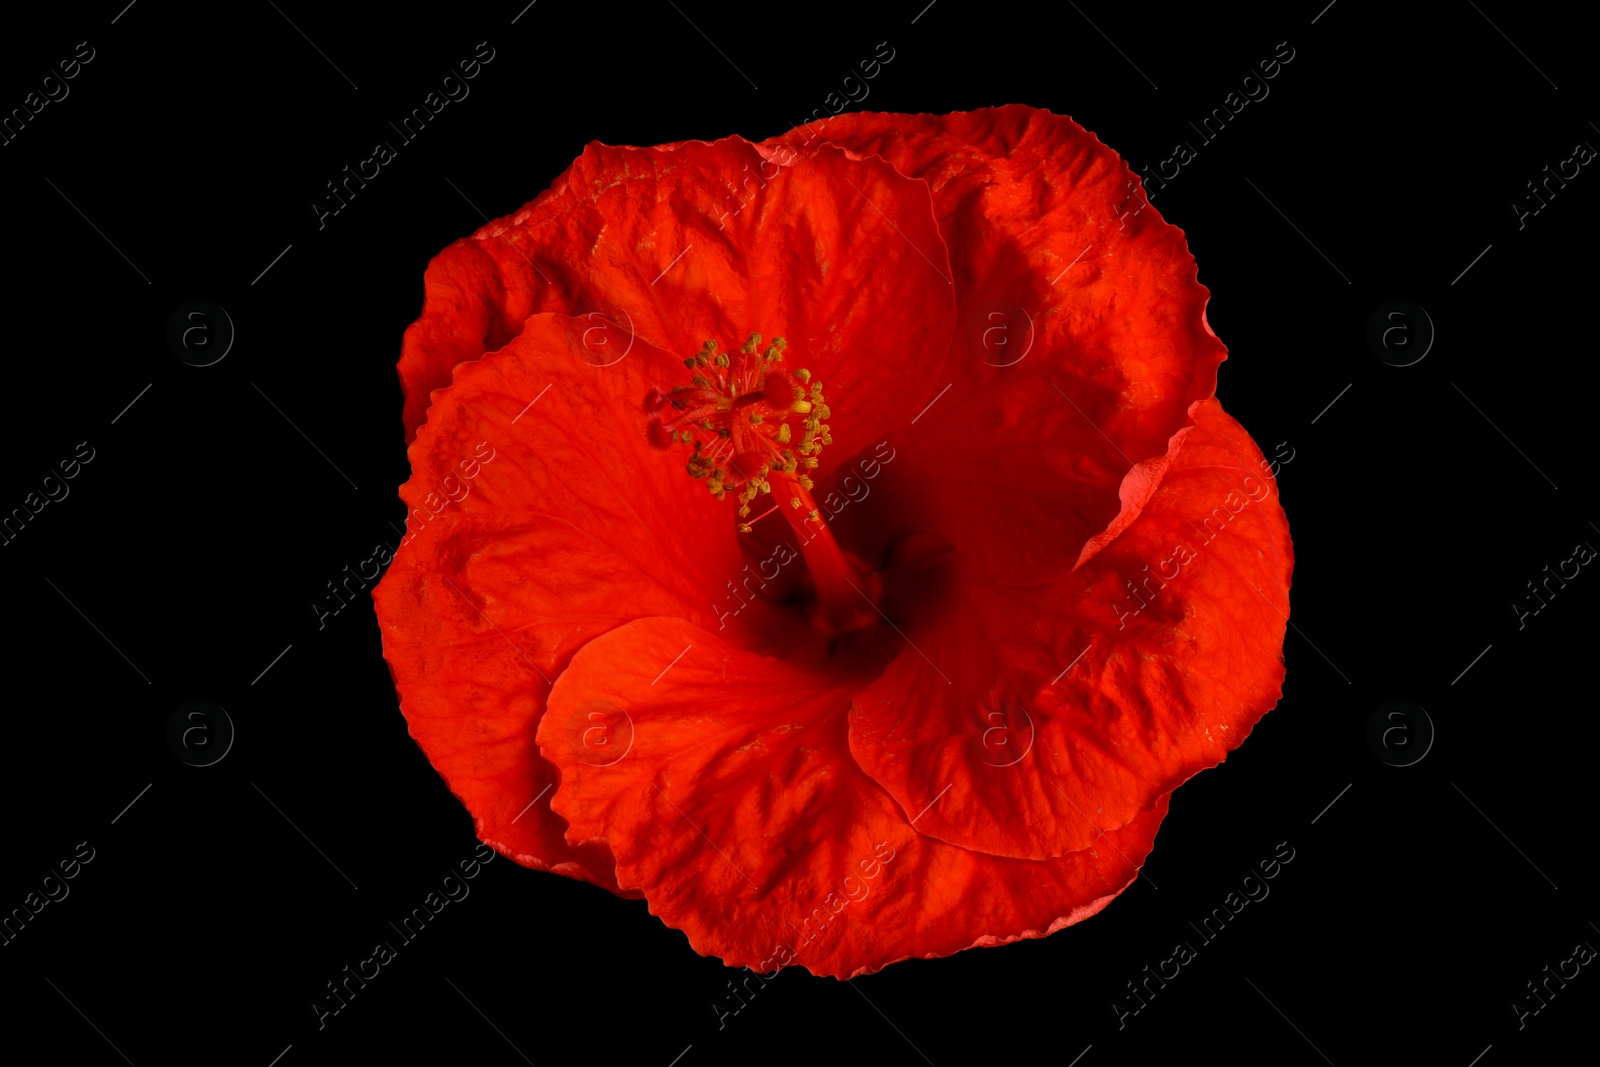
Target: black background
x: 189, y: 550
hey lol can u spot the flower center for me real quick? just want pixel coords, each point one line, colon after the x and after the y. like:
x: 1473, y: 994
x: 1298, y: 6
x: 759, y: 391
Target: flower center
x: 757, y: 430
x: 743, y: 414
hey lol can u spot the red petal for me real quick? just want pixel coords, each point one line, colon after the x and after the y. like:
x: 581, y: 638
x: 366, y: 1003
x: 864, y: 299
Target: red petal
x: 540, y: 519
x: 840, y: 256
x: 738, y: 813
x: 477, y: 294
x: 1056, y: 252
x: 1091, y: 742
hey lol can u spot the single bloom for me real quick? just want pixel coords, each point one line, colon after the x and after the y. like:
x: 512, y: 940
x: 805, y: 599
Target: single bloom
x: 835, y: 540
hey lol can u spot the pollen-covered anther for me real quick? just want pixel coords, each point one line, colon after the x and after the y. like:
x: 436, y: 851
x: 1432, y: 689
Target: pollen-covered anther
x: 742, y: 413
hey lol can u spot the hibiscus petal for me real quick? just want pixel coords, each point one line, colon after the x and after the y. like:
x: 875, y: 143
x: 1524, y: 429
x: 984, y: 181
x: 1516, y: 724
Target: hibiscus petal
x: 737, y: 813
x: 694, y: 241
x: 1065, y: 709
x: 1081, y: 334
x: 477, y: 294
x: 540, y: 518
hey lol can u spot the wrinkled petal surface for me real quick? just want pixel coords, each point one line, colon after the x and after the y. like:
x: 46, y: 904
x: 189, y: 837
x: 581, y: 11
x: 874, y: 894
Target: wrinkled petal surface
x: 1063, y: 709
x: 510, y: 571
x: 1081, y: 335
x: 735, y: 816
x: 696, y: 241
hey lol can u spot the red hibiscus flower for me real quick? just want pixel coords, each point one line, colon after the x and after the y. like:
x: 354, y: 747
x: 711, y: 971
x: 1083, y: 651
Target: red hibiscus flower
x: 834, y: 541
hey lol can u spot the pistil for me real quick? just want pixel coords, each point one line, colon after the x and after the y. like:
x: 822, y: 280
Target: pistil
x: 757, y: 431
